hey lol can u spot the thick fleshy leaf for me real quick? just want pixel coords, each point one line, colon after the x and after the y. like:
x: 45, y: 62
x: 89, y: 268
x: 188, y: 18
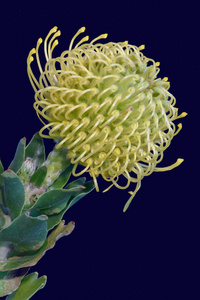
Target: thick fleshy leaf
x: 31, y: 259
x: 18, y: 260
x: 26, y: 233
x: 1, y: 181
x: 35, y: 149
x: 19, y: 156
x: 1, y: 167
x: 60, y: 231
x: 5, y: 219
x: 2, y: 213
x: 89, y: 186
x: 13, y: 193
x: 84, y: 190
x: 6, y: 248
x: 56, y: 163
x: 77, y: 182
x: 2, y: 219
x: 30, y: 284
x: 39, y: 176
x: 52, y: 202
x: 10, y: 280
x: 62, y: 179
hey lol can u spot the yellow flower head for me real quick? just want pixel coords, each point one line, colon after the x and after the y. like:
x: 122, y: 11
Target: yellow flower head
x: 105, y: 104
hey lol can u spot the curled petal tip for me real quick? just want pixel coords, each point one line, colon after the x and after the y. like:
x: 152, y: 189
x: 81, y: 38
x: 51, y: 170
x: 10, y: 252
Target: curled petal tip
x: 184, y: 114
x: 142, y: 47
x: 82, y: 29
x: 165, y: 79
x: 179, y: 161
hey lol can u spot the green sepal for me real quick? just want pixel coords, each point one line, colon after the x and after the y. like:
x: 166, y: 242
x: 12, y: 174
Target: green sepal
x: 27, y: 233
x: 31, y: 259
x: 52, y: 202
x: 39, y: 176
x: 85, y: 189
x: 10, y: 280
x: 19, y: 156
x: 62, y: 179
x: 35, y: 149
x: 30, y: 284
x: 13, y: 193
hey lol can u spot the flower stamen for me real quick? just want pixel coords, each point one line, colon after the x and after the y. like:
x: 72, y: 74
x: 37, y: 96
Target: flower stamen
x: 105, y: 104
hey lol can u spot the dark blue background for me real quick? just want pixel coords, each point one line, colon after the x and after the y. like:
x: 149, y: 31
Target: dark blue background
x: 149, y: 252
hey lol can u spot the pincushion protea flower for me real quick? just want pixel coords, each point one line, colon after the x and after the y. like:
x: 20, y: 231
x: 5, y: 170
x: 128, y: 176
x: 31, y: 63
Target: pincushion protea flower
x: 105, y: 104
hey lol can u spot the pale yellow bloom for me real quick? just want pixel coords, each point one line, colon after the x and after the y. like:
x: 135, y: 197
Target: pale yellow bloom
x: 105, y: 104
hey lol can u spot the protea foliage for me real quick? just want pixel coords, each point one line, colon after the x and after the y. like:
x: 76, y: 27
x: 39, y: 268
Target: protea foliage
x: 34, y: 196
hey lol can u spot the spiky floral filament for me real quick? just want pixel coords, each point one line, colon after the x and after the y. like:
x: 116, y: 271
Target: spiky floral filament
x: 105, y: 104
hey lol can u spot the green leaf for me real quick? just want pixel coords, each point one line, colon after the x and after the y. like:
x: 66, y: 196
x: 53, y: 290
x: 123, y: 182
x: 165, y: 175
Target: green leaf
x: 10, y: 280
x: 60, y: 231
x: 25, y: 232
x: 52, y: 202
x: 62, y: 179
x: 56, y: 163
x: 89, y: 186
x: 1, y: 179
x: 13, y: 193
x: 19, y: 156
x: 2, y: 218
x: 31, y: 259
x: 84, y: 190
x: 30, y: 284
x: 39, y: 176
x: 35, y: 149
x: 1, y: 167
x: 77, y: 182
x: 18, y: 260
